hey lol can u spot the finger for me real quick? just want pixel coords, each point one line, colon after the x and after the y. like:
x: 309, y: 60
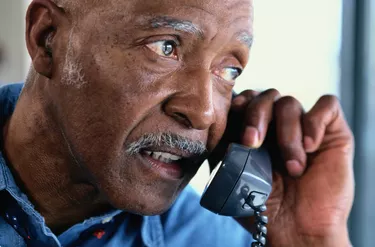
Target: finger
x: 288, y: 112
x: 243, y: 99
x: 258, y: 116
x: 326, y: 117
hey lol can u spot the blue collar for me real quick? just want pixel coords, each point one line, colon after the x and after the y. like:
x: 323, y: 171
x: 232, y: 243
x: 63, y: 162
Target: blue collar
x: 8, y: 98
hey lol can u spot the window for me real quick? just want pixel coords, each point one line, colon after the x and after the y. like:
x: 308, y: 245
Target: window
x: 296, y: 50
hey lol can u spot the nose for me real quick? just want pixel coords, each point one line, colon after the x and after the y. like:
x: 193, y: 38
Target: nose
x: 193, y: 104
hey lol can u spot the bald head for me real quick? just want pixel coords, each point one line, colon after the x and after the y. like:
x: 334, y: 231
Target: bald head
x: 77, y: 7
x: 70, y: 4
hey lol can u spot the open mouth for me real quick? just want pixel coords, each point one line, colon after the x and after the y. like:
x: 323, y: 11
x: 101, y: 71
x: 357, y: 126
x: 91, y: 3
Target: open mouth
x: 170, y: 165
x: 164, y: 157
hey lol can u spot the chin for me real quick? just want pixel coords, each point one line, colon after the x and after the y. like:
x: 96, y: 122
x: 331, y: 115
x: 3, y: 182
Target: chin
x: 143, y: 206
x: 142, y: 187
x: 143, y: 201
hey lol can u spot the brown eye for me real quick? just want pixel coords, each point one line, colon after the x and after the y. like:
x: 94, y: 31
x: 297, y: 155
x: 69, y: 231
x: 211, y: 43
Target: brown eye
x: 164, y: 48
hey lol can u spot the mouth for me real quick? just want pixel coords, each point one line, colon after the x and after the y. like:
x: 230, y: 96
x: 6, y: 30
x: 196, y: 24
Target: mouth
x: 171, y: 164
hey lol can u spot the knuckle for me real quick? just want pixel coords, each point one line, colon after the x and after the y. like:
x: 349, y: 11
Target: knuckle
x: 289, y: 100
x: 288, y: 104
x: 259, y: 110
x: 249, y: 93
x: 289, y: 145
x: 351, y: 138
x: 349, y: 135
x: 254, y: 118
x: 332, y: 106
x: 312, y: 121
x: 272, y: 93
x: 330, y: 100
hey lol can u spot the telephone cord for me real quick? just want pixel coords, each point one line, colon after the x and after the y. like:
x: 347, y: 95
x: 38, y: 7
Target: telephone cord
x: 260, y: 221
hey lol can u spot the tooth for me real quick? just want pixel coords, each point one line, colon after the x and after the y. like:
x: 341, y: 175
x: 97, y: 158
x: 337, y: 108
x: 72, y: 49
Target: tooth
x: 166, y: 155
x: 165, y: 160
x: 170, y: 156
x: 174, y: 157
x: 156, y: 155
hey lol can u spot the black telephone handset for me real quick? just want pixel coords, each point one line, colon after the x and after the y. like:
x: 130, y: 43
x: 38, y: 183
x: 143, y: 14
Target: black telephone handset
x: 240, y: 185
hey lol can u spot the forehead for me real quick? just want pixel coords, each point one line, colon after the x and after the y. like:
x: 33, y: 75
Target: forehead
x: 210, y: 13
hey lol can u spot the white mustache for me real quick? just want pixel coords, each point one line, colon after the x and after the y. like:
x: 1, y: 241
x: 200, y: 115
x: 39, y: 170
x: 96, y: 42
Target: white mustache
x: 167, y: 140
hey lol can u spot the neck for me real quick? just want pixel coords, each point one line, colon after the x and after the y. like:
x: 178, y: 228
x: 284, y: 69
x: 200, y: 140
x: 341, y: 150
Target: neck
x: 46, y: 171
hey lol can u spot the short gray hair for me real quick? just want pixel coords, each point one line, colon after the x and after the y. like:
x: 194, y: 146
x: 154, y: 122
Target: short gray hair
x: 167, y: 140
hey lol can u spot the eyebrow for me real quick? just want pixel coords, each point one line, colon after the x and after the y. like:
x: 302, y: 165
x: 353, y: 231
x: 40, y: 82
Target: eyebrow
x: 176, y: 24
x: 187, y: 26
x: 245, y: 38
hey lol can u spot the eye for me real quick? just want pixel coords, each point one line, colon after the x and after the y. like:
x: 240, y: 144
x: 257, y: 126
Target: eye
x: 164, y: 48
x: 229, y: 73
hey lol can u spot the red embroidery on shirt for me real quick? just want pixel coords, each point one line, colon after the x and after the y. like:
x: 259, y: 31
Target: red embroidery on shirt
x: 99, y: 234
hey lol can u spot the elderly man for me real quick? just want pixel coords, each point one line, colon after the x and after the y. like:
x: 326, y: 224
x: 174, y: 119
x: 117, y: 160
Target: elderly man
x: 124, y: 101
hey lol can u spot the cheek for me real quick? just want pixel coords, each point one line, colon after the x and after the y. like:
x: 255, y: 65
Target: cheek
x: 222, y: 105
x: 127, y: 70
x: 119, y: 92
x: 123, y: 82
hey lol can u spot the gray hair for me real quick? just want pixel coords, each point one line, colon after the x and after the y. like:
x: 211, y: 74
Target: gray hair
x: 169, y: 140
x: 73, y: 69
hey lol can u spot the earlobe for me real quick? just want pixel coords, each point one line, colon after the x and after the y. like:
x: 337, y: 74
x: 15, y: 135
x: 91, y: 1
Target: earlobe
x: 42, y: 21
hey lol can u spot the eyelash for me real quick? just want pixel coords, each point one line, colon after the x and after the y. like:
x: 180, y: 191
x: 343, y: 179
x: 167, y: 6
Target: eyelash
x: 221, y: 74
x: 153, y: 46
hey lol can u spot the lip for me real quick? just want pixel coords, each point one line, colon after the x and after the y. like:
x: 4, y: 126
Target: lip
x: 170, y: 171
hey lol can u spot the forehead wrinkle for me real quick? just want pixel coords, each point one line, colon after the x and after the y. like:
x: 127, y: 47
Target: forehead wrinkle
x: 176, y: 24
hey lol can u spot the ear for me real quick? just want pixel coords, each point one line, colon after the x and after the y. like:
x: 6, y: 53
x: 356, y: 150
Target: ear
x: 43, y: 19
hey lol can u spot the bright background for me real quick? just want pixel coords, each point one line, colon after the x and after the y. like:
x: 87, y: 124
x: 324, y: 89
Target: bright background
x: 304, y: 48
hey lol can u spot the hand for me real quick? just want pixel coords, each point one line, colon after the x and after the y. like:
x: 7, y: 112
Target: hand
x: 313, y: 184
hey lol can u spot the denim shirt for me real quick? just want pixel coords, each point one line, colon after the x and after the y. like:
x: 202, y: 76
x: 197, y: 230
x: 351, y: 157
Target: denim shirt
x: 186, y: 223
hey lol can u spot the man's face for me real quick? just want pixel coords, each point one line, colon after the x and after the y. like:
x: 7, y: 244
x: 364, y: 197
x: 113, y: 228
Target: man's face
x: 142, y: 87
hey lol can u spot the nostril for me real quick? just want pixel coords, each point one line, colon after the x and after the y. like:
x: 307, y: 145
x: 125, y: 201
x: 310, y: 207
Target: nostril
x: 180, y: 117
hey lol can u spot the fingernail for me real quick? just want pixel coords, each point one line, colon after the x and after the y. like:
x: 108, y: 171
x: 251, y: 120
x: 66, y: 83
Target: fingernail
x: 294, y: 168
x: 251, y: 137
x: 308, y: 144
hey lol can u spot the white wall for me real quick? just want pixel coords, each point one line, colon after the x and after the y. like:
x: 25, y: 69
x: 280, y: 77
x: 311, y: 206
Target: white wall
x: 296, y: 48
x: 14, y: 66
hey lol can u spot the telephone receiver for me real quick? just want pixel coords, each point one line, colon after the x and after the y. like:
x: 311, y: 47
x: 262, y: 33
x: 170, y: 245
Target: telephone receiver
x: 240, y: 184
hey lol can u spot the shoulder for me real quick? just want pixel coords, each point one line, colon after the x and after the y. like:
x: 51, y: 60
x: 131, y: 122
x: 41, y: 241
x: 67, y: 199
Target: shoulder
x: 188, y: 222
x: 8, y: 97
x: 10, y: 91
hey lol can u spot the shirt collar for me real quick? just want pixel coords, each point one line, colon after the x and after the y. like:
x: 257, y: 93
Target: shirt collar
x: 9, y: 95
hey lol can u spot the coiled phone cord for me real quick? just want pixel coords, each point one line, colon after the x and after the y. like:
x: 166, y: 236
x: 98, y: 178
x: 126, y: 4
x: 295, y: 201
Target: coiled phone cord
x: 261, y: 221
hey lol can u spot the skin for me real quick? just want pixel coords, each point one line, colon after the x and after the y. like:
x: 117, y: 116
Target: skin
x: 99, y: 84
